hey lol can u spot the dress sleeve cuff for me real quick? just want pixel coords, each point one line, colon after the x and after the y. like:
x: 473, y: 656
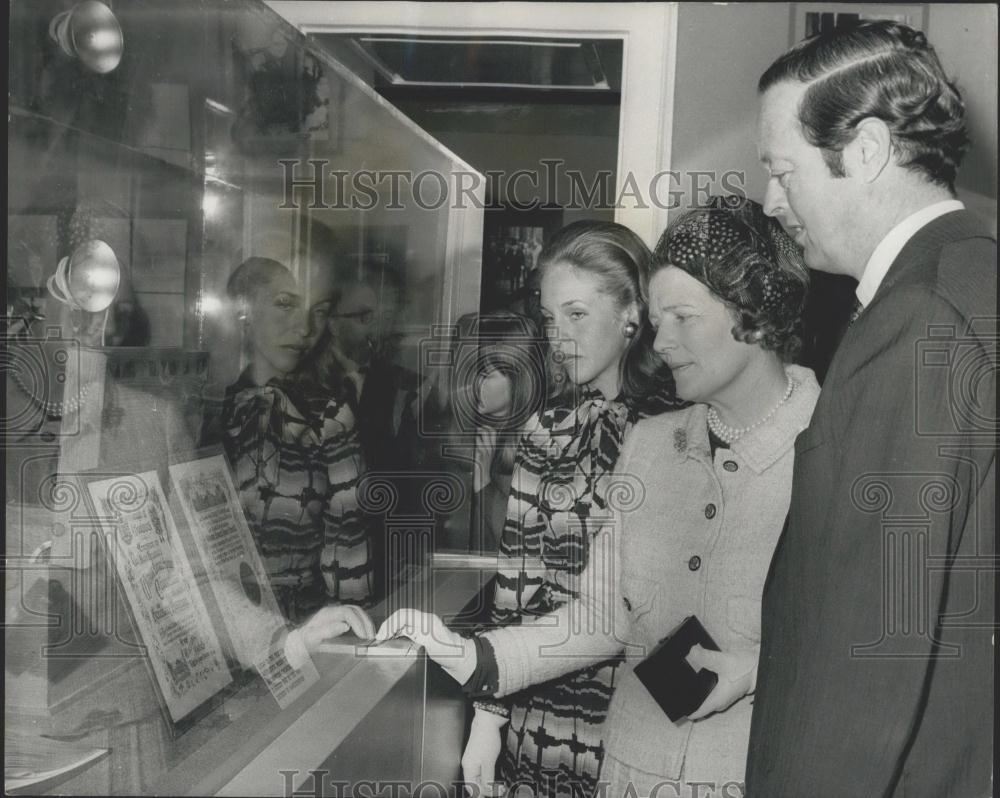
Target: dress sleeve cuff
x: 485, y: 679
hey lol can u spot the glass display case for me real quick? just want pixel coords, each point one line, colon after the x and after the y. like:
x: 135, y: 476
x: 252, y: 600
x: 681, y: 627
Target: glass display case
x: 153, y: 148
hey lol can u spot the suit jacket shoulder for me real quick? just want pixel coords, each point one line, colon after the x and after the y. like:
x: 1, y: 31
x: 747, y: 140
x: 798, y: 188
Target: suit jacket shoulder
x: 954, y: 258
x: 967, y: 276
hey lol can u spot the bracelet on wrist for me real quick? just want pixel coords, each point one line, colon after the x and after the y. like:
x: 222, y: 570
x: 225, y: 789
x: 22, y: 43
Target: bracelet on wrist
x: 493, y: 707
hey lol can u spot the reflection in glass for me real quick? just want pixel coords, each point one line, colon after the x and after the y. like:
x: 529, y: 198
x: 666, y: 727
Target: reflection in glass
x: 295, y: 453
x: 497, y: 383
x: 172, y: 160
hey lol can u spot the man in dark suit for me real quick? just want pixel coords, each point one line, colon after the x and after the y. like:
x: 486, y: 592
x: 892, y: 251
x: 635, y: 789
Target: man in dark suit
x: 876, y: 665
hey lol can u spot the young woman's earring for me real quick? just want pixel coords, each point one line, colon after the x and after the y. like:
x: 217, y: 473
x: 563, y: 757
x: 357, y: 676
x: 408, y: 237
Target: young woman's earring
x: 631, y: 329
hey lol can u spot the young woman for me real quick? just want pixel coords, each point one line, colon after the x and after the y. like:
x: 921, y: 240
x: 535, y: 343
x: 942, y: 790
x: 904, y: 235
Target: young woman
x: 295, y: 453
x: 593, y: 296
x: 711, y: 486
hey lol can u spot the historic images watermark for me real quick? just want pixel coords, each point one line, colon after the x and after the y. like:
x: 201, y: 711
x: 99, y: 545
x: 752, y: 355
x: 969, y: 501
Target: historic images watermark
x: 73, y: 558
x: 953, y: 437
x: 319, y: 784
x: 311, y: 184
x: 965, y: 360
x: 953, y: 412
x: 45, y: 374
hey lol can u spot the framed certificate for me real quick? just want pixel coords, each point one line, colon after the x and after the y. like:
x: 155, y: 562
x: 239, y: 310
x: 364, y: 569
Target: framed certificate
x: 183, y: 649
x: 205, y: 491
x: 210, y: 505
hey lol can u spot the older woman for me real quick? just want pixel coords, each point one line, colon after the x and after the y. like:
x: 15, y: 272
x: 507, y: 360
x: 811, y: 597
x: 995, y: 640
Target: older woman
x: 710, y: 487
x: 295, y: 453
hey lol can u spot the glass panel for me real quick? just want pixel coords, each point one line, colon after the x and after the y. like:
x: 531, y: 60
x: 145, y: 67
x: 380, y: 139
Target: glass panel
x: 541, y: 117
x: 194, y: 459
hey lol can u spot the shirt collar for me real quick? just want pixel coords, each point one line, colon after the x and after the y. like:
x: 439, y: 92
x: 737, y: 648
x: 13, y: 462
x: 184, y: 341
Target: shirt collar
x: 890, y: 246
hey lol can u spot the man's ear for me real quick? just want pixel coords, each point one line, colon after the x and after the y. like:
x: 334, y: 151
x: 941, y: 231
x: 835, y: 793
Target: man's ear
x: 870, y: 151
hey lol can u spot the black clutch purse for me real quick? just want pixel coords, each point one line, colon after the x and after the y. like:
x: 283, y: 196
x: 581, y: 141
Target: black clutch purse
x: 677, y: 687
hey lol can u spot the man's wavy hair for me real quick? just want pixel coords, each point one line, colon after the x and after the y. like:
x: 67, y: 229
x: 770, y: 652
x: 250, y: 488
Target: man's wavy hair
x: 877, y: 69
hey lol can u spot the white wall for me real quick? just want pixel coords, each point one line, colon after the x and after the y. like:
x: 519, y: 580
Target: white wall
x: 965, y: 37
x: 722, y: 49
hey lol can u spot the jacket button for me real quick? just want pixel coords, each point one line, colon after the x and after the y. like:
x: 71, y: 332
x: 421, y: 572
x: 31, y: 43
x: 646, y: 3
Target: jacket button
x: 628, y: 604
x: 730, y: 465
x: 694, y: 563
x: 709, y: 511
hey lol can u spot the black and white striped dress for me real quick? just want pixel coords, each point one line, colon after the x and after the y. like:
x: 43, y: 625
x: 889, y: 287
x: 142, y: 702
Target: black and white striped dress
x: 558, y: 501
x: 297, y: 460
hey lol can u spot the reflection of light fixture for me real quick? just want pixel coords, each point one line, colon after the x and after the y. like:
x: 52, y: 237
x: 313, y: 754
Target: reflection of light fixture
x: 209, y: 304
x: 87, y: 279
x: 90, y: 32
x: 210, y: 204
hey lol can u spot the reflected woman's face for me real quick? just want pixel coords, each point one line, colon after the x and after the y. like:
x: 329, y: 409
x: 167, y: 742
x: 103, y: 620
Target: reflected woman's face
x: 279, y: 330
x: 494, y: 394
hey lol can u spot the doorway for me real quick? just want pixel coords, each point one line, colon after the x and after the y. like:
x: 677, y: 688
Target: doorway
x: 539, y: 116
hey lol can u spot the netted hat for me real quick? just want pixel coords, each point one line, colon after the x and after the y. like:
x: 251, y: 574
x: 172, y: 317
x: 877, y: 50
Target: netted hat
x: 743, y: 256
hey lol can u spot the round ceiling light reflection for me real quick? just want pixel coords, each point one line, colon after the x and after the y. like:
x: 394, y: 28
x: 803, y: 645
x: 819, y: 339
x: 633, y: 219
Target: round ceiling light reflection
x: 89, y: 32
x: 87, y: 279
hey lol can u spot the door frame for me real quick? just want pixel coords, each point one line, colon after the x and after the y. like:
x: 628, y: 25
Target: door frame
x: 649, y: 34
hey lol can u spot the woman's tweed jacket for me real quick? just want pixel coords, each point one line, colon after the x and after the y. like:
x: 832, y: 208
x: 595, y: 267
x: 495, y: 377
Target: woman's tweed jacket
x: 693, y: 535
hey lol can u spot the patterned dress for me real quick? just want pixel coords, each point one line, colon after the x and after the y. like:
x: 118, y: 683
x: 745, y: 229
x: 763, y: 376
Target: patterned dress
x: 297, y: 462
x: 558, y: 501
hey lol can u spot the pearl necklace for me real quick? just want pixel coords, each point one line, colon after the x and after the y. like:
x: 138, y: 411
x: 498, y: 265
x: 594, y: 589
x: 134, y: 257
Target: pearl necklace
x: 730, y: 434
x: 60, y: 409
